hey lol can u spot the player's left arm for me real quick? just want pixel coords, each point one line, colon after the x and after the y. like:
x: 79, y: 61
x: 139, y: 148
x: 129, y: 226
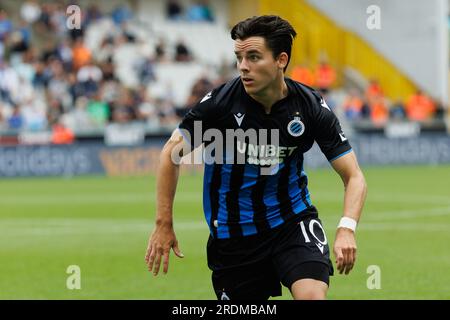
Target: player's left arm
x: 355, y: 194
x: 334, y: 144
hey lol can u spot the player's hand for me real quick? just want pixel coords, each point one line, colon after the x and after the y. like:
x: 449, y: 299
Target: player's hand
x: 345, y: 250
x: 159, y: 244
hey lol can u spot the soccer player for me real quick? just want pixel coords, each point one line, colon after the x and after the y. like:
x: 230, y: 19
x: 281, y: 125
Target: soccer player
x: 264, y: 229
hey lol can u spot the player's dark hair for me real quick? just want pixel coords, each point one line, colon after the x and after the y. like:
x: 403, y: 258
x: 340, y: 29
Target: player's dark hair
x: 277, y: 32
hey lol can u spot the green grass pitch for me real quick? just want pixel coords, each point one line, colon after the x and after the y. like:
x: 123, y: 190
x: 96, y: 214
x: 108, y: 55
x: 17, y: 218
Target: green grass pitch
x: 102, y: 225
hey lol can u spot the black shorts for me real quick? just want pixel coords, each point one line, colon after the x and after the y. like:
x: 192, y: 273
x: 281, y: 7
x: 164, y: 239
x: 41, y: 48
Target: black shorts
x: 252, y: 267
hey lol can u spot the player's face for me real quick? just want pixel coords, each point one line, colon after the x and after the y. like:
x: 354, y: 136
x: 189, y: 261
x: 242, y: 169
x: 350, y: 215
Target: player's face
x: 258, y: 69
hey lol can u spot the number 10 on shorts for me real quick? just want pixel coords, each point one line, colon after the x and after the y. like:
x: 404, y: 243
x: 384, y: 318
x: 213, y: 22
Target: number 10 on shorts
x: 320, y: 243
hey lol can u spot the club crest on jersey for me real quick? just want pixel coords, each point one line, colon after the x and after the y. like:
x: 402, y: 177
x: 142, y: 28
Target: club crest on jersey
x: 296, y: 127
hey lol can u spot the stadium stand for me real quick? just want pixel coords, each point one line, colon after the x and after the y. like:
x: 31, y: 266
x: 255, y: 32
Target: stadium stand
x: 122, y: 66
x: 106, y: 72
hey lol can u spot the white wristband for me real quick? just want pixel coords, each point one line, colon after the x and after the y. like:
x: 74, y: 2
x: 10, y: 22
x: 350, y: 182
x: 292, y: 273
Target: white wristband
x: 347, y: 222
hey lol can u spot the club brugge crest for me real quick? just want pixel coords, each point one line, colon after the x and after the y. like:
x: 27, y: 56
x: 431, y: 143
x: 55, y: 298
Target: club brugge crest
x: 296, y: 127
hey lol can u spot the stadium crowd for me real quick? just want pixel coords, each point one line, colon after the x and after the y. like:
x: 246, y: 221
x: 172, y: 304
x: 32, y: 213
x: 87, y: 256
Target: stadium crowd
x: 371, y: 103
x: 50, y: 78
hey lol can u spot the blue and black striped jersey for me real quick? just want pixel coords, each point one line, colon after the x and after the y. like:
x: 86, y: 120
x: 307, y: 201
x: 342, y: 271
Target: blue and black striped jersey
x: 238, y: 198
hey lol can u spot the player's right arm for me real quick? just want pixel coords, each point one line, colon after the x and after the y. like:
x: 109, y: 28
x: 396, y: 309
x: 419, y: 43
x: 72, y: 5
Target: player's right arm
x: 163, y: 237
x: 182, y: 142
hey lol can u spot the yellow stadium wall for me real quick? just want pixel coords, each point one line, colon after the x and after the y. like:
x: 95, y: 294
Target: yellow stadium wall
x: 317, y: 34
x: 239, y: 10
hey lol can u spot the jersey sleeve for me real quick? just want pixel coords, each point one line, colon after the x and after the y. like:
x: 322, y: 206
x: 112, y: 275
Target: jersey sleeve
x: 199, y: 119
x: 327, y: 130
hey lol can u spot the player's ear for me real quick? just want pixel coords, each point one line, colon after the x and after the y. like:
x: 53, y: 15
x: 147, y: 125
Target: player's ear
x: 282, y: 60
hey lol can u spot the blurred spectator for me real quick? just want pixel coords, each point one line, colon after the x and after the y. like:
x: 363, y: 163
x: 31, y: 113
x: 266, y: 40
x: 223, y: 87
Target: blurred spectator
x: 121, y: 14
x: 98, y: 111
x: 89, y: 76
x: 30, y: 11
x: 225, y: 71
x: 93, y: 14
x: 25, y: 92
x: 2, y: 50
x: 200, y: 11
x: 161, y: 51
x: 419, y: 107
x: 58, y: 89
x: 373, y: 91
x: 353, y: 105
x: 303, y: 74
x: 166, y: 111
x: 62, y: 134
x: 25, y: 31
x: 58, y: 20
x: 182, y: 53
x: 440, y: 110
x: 200, y: 88
x: 24, y: 66
x: 146, y: 110
x: 48, y: 52
x: 106, y: 50
x: 20, y: 39
x: 6, y: 25
x: 34, y: 115
x: 378, y: 108
x: 15, y: 120
x: 121, y: 115
x: 174, y: 10
x: 42, y: 75
x: 397, y: 111
x: 9, y: 83
x: 76, y: 89
x: 108, y: 69
x: 81, y: 55
x: 64, y: 53
x: 44, y: 23
x: 54, y: 112
x: 76, y: 33
x: 145, y: 71
x: 128, y: 33
x: 78, y: 118
x: 3, y: 112
x: 110, y: 91
x: 325, y: 76
x: 17, y: 42
x: 379, y: 112
x: 124, y: 108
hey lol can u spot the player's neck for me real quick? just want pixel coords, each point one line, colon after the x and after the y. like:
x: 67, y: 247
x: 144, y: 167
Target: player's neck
x: 272, y: 94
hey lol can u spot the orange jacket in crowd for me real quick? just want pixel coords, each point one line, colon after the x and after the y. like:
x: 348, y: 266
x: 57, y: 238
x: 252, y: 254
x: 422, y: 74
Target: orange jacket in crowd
x: 419, y: 107
x: 325, y: 76
x: 374, y: 91
x: 62, y: 135
x: 353, y: 103
x: 81, y: 55
x: 379, y: 113
x: 303, y: 75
